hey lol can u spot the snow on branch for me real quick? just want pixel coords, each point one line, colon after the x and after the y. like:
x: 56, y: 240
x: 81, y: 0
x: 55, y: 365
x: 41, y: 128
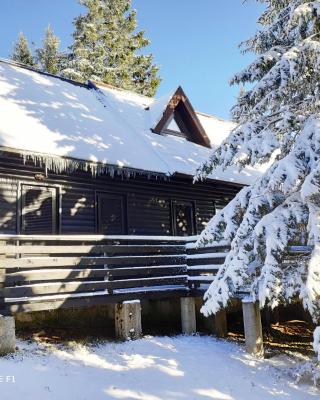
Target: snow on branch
x: 278, y: 121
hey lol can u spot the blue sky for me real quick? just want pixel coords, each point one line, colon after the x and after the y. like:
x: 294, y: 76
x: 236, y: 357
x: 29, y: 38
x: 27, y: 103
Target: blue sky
x: 195, y: 43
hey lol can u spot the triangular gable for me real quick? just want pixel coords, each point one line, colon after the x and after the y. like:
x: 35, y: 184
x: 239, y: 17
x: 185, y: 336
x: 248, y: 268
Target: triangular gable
x: 180, y: 114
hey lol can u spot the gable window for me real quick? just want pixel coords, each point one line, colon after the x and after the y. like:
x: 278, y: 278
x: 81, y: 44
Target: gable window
x: 177, y: 127
x: 173, y: 126
x: 183, y: 218
x: 38, y: 210
x: 111, y: 214
x: 180, y: 119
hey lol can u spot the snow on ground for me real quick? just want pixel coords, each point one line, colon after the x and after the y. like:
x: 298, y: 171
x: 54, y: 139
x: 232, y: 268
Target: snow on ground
x: 153, y: 368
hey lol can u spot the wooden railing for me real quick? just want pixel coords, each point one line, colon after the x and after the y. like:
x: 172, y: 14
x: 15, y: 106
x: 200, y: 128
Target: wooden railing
x: 48, y: 272
x: 203, y: 263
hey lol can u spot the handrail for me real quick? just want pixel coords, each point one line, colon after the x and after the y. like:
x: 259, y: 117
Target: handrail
x: 128, y: 238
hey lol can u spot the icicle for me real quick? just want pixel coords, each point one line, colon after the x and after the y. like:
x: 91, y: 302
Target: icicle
x: 59, y: 165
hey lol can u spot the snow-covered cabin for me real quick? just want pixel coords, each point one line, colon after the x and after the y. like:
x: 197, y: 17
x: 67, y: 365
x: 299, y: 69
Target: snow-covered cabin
x: 88, y: 158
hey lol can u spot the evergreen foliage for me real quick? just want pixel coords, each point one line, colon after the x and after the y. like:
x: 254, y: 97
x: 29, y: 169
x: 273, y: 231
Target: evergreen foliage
x: 49, y: 56
x: 107, y: 48
x: 22, y: 53
x: 279, y: 122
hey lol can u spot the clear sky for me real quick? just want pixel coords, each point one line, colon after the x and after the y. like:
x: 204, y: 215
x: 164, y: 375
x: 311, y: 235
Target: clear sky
x: 195, y: 42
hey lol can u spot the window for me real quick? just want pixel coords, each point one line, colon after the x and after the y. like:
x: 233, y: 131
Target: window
x: 38, y: 210
x: 175, y: 126
x: 111, y: 214
x: 183, y: 218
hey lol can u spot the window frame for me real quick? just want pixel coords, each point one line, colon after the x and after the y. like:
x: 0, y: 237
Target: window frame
x: 124, y: 214
x: 176, y: 201
x: 56, y: 207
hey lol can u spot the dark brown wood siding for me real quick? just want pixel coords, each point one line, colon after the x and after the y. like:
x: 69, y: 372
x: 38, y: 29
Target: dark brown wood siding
x: 78, y: 211
x: 149, y: 214
x: 148, y: 202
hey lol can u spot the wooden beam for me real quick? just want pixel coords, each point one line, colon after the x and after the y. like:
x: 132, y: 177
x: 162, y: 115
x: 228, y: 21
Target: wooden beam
x: 2, y: 288
x: 91, y: 249
x: 97, y: 238
x: 88, y: 300
x: 44, y: 288
x: 40, y: 262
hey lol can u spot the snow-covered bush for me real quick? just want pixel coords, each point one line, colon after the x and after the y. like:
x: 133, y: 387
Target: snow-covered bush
x: 278, y: 120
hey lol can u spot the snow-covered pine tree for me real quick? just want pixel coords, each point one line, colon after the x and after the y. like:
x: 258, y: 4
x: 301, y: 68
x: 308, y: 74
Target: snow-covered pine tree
x: 49, y: 56
x: 278, y: 121
x: 107, y: 48
x: 21, y: 51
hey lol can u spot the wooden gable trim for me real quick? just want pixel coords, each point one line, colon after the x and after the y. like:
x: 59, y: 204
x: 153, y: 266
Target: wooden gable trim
x: 196, y: 130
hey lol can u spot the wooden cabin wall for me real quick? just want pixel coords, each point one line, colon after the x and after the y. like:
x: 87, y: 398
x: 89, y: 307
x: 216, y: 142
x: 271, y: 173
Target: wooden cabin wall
x: 149, y: 214
x: 77, y: 210
x: 148, y: 201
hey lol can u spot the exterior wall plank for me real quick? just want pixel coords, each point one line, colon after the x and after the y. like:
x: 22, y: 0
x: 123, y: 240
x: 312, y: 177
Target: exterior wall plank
x: 148, y: 201
x: 78, y: 212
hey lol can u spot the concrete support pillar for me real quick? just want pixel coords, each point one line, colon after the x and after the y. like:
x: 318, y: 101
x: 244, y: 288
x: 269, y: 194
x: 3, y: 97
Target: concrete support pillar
x: 7, y: 335
x: 128, y: 320
x: 188, y: 315
x: 252, y: 327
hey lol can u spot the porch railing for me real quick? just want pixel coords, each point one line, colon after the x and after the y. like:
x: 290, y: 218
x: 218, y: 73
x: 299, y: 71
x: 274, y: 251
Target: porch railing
x: 48, y: 272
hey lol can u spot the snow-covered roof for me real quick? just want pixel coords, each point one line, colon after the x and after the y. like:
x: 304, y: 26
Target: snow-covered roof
x: 42, y: 114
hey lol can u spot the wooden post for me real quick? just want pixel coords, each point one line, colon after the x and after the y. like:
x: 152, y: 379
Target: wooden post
x: 220, y: 323
x: 217, y: 324
x: 2, y: 286
x: 128, y: 320
x: 2, y: 282
x: 252, y: 327
x: 188, y: 315
x: 7, y: 335
x: 275, y: 316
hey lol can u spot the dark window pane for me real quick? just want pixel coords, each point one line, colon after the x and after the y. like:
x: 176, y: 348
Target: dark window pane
x: 110, y: 214
x: 38, y: 210
x: 183, y: 215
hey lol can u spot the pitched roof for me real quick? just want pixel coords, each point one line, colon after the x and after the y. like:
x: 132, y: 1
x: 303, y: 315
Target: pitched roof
x: 51, y: 118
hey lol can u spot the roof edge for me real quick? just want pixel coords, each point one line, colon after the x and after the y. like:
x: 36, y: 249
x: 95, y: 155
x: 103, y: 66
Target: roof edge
x: 59, y: 164
x: 33, y: 69
x: 112, y: 87
x: 214, y: 116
